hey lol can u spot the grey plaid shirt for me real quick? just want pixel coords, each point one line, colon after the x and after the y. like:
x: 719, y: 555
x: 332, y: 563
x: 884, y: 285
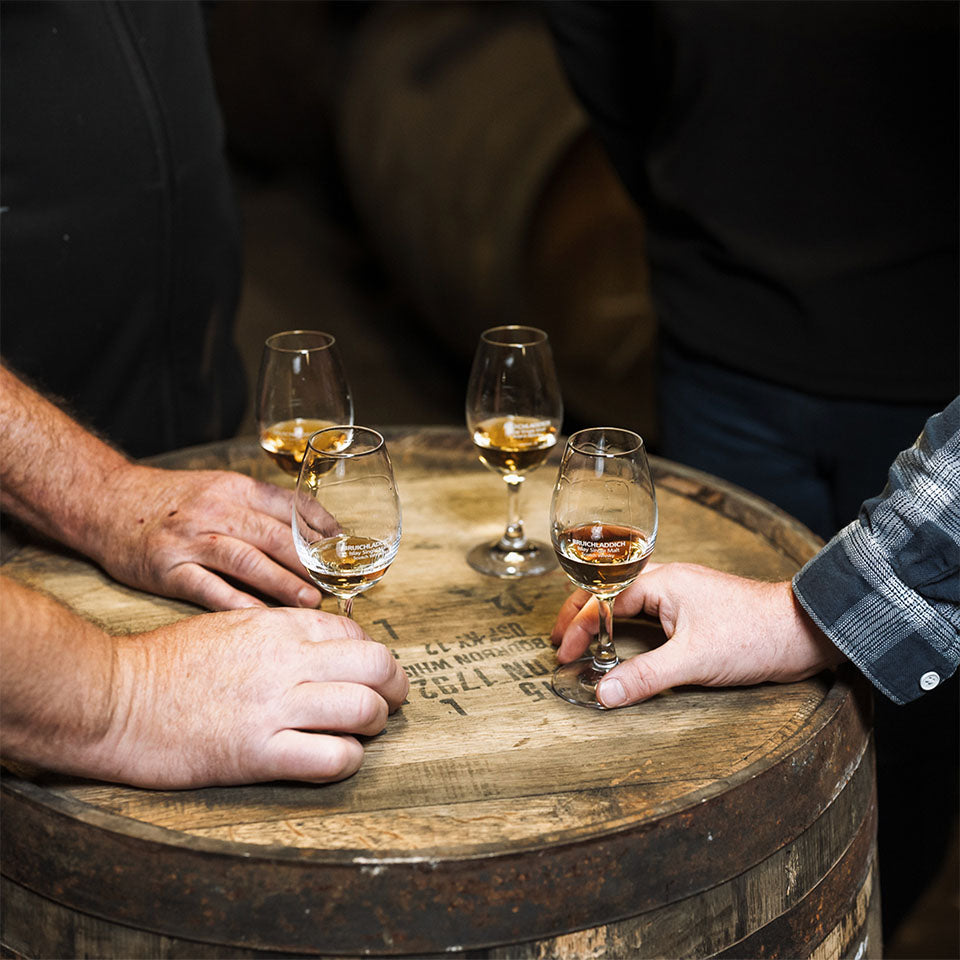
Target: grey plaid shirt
x: 886, y: 588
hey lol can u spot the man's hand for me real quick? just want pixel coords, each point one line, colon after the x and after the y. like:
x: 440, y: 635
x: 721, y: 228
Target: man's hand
x: 722, y: 630
x: 180, y: 532
x: 220, y: 698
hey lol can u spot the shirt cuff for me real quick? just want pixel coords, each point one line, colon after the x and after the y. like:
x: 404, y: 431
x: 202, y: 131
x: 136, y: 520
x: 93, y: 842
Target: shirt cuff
x: 888, y: 631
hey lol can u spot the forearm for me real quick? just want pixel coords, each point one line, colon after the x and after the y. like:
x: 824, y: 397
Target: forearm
x: 54, y: 475
x: 57, y: 685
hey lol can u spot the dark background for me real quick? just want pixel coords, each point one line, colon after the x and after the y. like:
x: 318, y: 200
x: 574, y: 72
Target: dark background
x: 410, y: 175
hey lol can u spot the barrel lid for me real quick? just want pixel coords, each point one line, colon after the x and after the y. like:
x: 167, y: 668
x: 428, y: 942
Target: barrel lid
x: 489, y: 811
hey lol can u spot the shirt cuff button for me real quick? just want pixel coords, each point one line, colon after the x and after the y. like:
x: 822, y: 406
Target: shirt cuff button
x: 929, y: 680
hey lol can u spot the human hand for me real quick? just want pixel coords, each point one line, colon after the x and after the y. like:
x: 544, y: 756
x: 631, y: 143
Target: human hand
x: 722, y: 630
x: 182, y: 533
x: 245, y: 696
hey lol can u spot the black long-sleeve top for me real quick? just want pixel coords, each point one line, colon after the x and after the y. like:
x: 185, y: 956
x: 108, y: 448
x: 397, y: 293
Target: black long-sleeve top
x: 120, y: 236
x: 797, y: 166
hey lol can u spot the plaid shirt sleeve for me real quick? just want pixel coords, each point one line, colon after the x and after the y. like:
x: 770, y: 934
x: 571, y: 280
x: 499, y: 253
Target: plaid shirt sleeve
x: 886, y: 588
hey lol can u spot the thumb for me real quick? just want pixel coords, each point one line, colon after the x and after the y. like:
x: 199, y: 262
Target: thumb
x: 645, y: 675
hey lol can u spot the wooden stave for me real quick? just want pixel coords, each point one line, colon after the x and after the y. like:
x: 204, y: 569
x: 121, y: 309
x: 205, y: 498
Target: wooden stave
x: 89, y: 860
x: 808, y: 920
x: 789, y: 537
x: 855, y: 929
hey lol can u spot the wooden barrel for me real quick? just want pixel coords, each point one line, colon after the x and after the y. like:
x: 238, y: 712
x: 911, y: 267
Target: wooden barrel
x: 476, y: 176
x: 491, y: 818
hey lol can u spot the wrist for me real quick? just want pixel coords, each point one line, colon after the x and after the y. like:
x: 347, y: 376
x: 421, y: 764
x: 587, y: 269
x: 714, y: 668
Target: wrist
x: 810, y: 637
x: 47, y: 722
x: 42, y: 454
x: 113, y: 756
x: 104, y: 517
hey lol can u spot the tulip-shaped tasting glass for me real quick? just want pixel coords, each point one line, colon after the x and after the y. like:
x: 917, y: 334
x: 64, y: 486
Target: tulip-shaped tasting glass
x: 346, y: 512
x: 301, y: 389
x: 603, y: 525
x: 514, y: 412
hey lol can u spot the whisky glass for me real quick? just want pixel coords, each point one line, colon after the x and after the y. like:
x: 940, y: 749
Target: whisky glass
x: 346, y: 512
x: 301, y: 388
x: 603, y: 524
x: 514, y: 411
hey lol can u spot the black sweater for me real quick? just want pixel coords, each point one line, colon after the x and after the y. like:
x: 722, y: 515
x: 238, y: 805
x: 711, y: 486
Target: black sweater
x: 120, y: 239
x: 797, y: 167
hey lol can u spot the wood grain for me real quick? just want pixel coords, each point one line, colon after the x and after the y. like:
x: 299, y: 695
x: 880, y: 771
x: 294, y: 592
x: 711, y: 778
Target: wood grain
x: 490, y: 813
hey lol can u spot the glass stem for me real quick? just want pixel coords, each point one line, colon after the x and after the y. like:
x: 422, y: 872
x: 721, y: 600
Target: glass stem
x: 606, y: 656
x: 513, y: 537
x: 345, y: 606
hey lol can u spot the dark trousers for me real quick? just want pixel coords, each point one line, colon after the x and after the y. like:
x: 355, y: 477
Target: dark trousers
x: 819, y: 459
x: 816, y: 458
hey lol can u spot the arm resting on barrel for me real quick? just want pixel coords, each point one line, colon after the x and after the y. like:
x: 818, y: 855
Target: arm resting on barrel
x: 222, y: 698
x: 883, y: 592
x: 172, y: 532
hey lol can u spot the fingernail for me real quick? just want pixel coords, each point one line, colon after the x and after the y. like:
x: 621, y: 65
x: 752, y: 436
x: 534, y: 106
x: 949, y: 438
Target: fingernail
x: 308, y: 598
x: 611, y: 693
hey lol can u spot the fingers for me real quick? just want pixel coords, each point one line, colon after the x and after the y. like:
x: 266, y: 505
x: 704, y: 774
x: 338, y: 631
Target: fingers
x: 278, y: 503
x: 270, y: 499
x: 196, y: 584
x: 571, y: 620
x: 356, y: 684
x: 646, y: 675
x: 334, y: 707
x: 352, y: 661
x: 315, y: 757
x: 313, y: 520
x: 273, y: 537
x: 257, y: 548
x: 578, y: 619
x: 242, y: 560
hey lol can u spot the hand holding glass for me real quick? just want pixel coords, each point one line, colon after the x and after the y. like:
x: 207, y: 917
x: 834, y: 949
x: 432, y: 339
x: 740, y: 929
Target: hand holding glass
x: 603, y: 526
x: 346, y: 513
x: 301, y: 388
x: 514, y: 412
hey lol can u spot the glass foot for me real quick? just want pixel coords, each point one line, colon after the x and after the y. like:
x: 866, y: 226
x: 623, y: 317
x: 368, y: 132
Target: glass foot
x: 577, y: 682
x: 495, y: 561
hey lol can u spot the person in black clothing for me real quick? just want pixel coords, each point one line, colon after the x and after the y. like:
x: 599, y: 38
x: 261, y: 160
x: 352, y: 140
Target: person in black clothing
x: 796, y: 166
x: 120, y: 241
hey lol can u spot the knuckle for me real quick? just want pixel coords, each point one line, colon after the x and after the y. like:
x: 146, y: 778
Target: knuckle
x: 186, y: 581
x: 244, y: 560
x: 275, y: 534
x: 371, y: 712
x: 380, y: 663
x: 347, y: 630
x: 640, y: 682
x: 320, y: 626
x: 340, y: 757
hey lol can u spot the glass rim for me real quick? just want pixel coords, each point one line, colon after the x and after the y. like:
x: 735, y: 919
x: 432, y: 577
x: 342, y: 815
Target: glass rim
x: 575, y: 440
x: 539, y: 336
x: 272, y: 342
x: 346, y: 454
